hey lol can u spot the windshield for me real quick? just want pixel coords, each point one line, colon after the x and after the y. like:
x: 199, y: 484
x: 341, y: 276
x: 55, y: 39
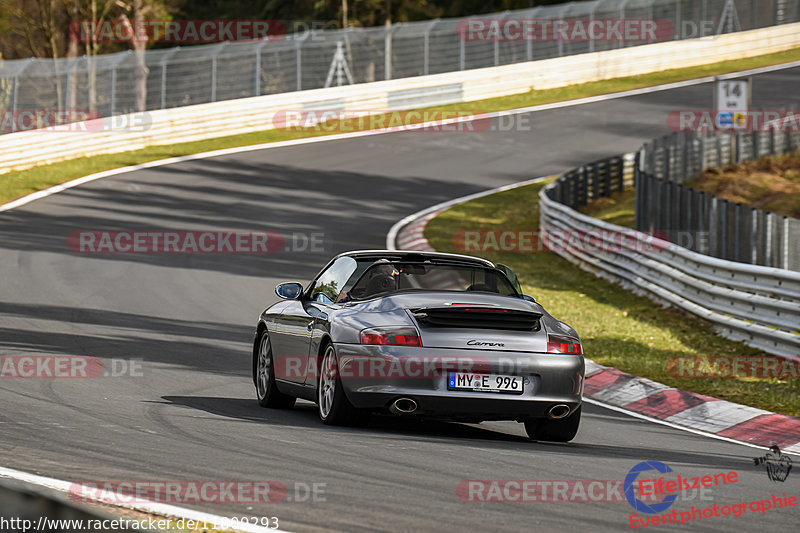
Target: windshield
x: 385, y: 277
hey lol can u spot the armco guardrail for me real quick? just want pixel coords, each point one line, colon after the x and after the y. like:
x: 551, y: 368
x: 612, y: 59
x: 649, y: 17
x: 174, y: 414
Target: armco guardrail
x: 755, y: 304
x: 191, y: 123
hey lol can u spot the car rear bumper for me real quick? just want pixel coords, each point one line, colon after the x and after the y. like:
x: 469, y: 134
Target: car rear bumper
x: 375, y: 376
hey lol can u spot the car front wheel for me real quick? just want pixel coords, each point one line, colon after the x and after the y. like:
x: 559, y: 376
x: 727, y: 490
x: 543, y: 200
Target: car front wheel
x: 266, y: 389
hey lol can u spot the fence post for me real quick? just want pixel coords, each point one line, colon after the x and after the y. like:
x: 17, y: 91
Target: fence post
x: 387, y: 50
x: 497, y: 41
x: 257, y: 74
x: 723, y: 222
x: 753, y: 233
x: 462, y: 61
x: 756, y: 145
x: 622, y: 17
x: 737, y: 216
x: 113, y: 96
x: 703, y: 223
x: 529, y: 42
x: 690, y: 232
x: 768, y: 259
x: 163, y: 64
x: 299, y: 60
x: 214, y: 70
x: 426, y: 47
x: 15, y: 93
x: 772, y: 133
x: 786, y: 243
x: 561, y: 18
x: 713, y: 225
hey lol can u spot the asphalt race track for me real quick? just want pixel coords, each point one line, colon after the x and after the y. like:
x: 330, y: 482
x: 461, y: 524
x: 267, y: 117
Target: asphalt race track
x: 192, y: 415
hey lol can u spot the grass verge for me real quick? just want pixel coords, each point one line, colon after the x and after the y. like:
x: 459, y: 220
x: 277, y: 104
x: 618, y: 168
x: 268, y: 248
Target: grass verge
x: 22, y: 182
x: 618, y: 328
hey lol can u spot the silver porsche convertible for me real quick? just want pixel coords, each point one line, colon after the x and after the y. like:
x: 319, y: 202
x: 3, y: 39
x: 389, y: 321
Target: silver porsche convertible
x: 419, y: 334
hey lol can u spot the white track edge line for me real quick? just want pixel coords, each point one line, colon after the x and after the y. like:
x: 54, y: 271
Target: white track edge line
x: 678, y: 426
x: 146, y: 506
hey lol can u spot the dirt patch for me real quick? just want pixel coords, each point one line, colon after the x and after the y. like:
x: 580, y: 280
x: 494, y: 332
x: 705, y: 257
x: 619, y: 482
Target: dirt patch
x: 771, y: 183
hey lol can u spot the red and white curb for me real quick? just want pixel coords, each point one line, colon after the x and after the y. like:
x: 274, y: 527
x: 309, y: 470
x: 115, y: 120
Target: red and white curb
x: 636, y: 396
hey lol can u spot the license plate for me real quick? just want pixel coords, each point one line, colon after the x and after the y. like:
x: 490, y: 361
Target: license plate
x: 484, y: 382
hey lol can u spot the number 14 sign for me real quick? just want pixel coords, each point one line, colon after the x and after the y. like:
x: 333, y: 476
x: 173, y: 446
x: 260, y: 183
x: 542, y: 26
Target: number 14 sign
x: 732, y: 102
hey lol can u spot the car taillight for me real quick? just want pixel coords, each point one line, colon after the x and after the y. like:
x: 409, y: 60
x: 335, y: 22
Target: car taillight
x: 400, y: 336
x: 562, y: 345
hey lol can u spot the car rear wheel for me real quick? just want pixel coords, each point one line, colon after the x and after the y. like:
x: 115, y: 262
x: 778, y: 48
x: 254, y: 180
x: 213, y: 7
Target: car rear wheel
x: 333, y: 406
x: 266, y: 389
x: 561, y: 430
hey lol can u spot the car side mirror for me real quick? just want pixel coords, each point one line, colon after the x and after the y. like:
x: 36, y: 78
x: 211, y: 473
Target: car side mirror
x: 289, y: 291
x: 529, y: 298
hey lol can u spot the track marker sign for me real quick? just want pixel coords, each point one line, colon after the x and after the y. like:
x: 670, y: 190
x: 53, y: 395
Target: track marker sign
x: 732, y: 100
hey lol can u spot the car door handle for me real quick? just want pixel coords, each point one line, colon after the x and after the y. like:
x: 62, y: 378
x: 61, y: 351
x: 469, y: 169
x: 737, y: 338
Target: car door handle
x: 310, y: 325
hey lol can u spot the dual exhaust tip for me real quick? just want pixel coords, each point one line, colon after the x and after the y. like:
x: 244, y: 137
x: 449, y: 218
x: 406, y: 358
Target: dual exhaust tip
x: 406, y: 406
x: 558, y: 411
x: 403, y: 406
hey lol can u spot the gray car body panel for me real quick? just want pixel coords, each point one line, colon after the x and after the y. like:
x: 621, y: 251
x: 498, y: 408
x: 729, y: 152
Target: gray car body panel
x: 298, y: 329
